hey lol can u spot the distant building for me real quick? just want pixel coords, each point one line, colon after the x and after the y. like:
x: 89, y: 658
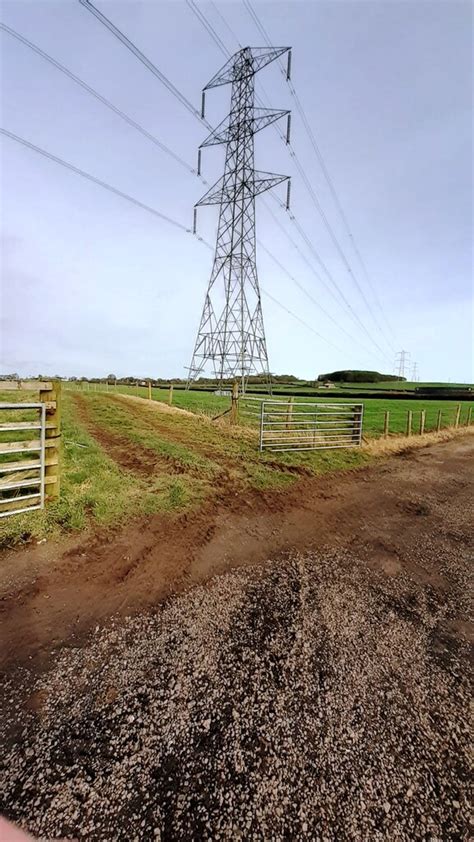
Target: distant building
x: 327, y: 384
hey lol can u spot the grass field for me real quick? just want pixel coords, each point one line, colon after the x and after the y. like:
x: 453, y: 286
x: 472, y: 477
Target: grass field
x: 211, y: 404
x: 123, y: 459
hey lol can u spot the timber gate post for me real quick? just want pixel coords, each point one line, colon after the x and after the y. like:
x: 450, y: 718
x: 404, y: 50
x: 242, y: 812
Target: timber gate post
x: 357, y: 421
x: 52, y: 399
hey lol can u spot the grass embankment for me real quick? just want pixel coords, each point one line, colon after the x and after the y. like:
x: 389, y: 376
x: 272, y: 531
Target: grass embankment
x: 123, y: 460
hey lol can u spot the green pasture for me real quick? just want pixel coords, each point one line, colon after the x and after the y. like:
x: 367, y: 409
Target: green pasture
x: 210, y: 404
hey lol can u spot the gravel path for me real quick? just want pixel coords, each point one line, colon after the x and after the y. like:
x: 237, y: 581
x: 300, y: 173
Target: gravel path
x: 313, y: 697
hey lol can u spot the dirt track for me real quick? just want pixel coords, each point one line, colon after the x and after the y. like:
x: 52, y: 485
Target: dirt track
x: 320, y: 696
x: 53, y: 593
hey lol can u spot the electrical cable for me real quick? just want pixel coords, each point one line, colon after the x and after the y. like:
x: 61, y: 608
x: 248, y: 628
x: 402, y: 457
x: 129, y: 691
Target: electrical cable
x: 98, y: 96
x: 216, y: 38
x: 145, y: 207
x: 169, y: 85
x: 141, y: 57
x: 93, y: 178
x: 210, y: 29
x: 322, y: 163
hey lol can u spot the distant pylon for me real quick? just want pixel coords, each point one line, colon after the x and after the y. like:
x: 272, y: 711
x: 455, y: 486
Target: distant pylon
x: 414, y: 373
x: 231, y: 335
x: 401, y: 363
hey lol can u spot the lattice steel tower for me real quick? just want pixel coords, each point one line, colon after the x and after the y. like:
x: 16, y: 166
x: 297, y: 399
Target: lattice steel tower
x: 231, y: 334
x: 401, y: 363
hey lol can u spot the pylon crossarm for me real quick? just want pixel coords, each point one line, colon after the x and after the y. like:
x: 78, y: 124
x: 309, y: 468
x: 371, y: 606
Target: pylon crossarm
x: 262, y: 118
x: 265, y: 181
x: 254, y: 58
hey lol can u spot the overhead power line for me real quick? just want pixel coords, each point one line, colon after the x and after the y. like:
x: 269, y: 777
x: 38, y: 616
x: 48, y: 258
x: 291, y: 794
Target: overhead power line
x: 141, y: 57
x: 95, y: 180
x: 299, y: 319
x: 220, y: 44
x: 149, y: 136
x: 229, y: 28
x: 303, y: 288
x: 144, y: 207
x: 172, y: 88
x: 99, y: 97
x: 322, y: 164
x: 309, y: 296
x: 210, y: 29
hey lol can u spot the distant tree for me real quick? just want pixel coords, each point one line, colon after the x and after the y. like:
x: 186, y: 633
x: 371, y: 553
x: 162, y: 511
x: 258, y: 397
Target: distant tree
x: 111, y: 377
x: 356, y: 376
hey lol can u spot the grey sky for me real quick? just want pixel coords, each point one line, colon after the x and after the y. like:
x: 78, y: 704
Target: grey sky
x: 92, y: 284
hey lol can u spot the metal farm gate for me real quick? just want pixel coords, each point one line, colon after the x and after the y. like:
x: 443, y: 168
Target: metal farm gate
x: 309, y: 426
x: 22, y: 458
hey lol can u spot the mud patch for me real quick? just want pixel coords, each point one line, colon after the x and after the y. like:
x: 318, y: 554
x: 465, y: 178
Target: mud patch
x: 126, y: 454
x: 51, y: 594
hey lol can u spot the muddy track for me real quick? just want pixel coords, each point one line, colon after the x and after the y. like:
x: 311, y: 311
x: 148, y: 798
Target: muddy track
x: 151, y: 418
x: 126, y: 454
x: 56, y: 592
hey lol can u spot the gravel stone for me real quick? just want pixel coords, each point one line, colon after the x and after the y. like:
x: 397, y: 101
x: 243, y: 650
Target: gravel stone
x: 311, y: 698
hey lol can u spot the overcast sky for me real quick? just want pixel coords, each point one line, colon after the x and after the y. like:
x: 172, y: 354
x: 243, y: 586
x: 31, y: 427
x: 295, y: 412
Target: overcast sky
x: 93, y: 284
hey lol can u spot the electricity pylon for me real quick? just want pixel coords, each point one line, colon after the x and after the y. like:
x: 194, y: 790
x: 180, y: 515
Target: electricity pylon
x: 231, y: 335
x: 402, y: 362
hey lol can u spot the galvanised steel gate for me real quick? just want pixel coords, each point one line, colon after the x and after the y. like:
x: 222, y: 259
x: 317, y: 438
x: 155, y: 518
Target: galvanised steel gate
x: 22, y: 479
x: 309, y: 426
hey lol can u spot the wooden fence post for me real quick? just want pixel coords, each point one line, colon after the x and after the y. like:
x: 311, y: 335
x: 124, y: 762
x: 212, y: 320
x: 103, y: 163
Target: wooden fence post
x: 409, y: 421
x: 438, y: 423
x: 234, y: 407
x: 386, y: 423
x: 422, y: 421
x: 468, y: 419
x: 52, y: 397
x: 289, y: 412
x: 149, y: 390
x: 357, y: 421
x: 457, y: 416
x: 170, y: 396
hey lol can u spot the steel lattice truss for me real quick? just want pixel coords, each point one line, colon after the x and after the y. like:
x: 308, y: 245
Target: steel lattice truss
x: 231, y: 335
